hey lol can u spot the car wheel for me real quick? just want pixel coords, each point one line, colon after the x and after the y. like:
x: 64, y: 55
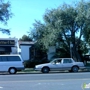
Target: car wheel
x: 75, y: 68
x: 45, y: 70
x: 12, y: 70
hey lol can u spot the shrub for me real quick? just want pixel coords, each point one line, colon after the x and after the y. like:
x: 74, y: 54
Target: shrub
x: 32, y: 63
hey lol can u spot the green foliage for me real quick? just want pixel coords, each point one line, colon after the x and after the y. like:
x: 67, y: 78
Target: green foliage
x: 65, y: 25
x: 61, y: 53
x: 84, y: 15
x: 5, y: 15
x: 25, y: 38
x: 31, y: 64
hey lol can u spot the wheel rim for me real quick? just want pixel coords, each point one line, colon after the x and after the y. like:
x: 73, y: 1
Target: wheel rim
x: 12, y: 71
x: 75, y: 69
x: 45, y: 70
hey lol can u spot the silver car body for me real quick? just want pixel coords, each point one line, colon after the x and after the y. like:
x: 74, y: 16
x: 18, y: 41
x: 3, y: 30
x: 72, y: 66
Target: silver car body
x: 65, y: 64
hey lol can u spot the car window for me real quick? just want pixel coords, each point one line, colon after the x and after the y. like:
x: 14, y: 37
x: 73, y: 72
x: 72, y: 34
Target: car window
x: 0, y: 59
x: 14, y: 58
x: 10, y: 58
x: 67, y: 61
x: 58, y: 61
x: 4, y: 58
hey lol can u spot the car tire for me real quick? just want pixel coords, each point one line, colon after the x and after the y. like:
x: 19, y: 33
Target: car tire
x: 45, y: 70
x: 12, y: 70
x: 75, y: 69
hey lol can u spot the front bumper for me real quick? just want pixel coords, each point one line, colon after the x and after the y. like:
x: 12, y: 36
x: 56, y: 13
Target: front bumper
x: 37, y: 69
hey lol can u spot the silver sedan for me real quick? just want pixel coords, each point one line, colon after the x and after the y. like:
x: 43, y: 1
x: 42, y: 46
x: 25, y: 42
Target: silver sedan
x: 60, y: 64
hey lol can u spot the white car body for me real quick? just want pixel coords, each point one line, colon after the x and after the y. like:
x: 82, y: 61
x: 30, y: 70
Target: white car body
x: 11, y: 63
x: 64, y: 64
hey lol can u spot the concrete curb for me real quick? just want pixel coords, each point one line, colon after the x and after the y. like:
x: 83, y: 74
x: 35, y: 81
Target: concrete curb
x: 32, y: 71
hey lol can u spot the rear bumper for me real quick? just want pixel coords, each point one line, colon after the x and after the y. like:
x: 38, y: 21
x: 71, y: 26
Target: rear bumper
x: 20, y: 68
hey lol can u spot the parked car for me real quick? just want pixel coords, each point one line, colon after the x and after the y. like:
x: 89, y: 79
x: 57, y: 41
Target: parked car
x: 11, y: 63
x: 60, y: 64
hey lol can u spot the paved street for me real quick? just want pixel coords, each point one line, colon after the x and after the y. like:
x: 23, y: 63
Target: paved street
x: 51, y: 81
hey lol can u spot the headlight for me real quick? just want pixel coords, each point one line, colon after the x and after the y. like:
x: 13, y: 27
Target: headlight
x: 36, y: 66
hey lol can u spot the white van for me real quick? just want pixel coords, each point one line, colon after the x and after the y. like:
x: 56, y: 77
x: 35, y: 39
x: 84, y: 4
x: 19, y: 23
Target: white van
x: 11, y: 63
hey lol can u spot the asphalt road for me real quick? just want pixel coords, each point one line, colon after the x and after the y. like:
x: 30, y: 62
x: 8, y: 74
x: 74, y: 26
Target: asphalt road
x: 51, y: 81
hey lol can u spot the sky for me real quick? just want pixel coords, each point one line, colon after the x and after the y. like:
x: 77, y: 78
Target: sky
x: 25, y: 12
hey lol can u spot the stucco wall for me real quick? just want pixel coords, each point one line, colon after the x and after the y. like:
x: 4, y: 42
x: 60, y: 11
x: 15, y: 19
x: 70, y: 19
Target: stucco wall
x: 25, y: 52
x: 51, y: 52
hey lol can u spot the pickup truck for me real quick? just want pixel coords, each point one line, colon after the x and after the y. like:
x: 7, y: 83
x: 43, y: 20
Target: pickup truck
x: 60, y: 64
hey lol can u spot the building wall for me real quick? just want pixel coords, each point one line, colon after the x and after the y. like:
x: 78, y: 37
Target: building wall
x: 51, y: 52
x: 25, y: 52
x: 15, y: 49
x: 12, y: 48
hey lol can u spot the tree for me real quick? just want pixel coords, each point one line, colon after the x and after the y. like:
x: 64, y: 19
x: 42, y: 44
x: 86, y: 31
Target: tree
x: 5, y: 15
x: 25, y: 38
x: 42, y: 35
x: 65, y: 25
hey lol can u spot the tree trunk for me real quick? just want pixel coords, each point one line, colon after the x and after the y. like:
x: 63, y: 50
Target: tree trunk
x: 75, y: 54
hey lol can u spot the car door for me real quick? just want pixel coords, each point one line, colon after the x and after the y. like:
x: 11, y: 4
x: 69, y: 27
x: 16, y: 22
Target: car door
x: 3, y: 63
x: 56, y: 65
x: 67, y: 64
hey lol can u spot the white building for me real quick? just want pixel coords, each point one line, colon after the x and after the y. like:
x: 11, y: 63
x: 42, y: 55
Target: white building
x: 13, y: 46
x: 9, y: 46
x: 27, y: 52
x: 25, y: 49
